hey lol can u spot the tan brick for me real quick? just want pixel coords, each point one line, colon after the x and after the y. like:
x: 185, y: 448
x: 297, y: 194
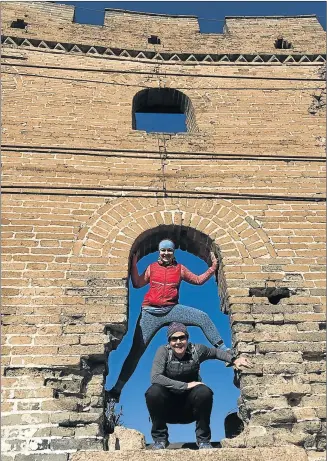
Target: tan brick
x: 20, y: 340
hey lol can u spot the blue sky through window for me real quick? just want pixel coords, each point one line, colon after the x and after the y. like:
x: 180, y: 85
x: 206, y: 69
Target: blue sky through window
x: 158, y: 122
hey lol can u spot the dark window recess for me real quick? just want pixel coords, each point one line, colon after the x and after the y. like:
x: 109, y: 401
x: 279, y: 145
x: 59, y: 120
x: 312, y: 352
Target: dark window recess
x: 294, y: 399
x: 282, y: 44
x: 233, y: 425
x: 19, y: 24
x: 154, y: 40
x: 274, y: 295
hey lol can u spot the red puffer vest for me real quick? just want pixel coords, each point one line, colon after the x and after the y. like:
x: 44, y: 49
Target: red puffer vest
x: 164, y: 285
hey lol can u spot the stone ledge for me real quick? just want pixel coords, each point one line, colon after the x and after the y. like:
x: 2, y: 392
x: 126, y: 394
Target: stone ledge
x: 164, y: 56
x: 220, y: 454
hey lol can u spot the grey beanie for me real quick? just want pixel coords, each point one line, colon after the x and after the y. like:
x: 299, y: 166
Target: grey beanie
x: 176, y: 326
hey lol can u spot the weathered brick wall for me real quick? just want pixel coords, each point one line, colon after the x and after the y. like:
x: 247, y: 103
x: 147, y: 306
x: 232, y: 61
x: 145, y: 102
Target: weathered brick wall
x: 82, y: 190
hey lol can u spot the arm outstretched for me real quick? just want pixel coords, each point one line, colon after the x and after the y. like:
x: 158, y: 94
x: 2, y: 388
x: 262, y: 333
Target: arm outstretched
x: 139, y: 281
x: 194, y: 279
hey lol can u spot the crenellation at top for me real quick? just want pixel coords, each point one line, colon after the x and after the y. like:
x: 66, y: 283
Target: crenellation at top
x: 142, y: 13
x: 138, y: 26
x: 36, y: 12
x: 173, y: 33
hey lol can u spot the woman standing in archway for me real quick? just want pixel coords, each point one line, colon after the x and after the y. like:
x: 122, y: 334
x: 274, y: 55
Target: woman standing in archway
x: 161, y: 306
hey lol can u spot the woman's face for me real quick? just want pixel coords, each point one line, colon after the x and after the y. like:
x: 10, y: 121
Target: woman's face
x: 166, y: 255
x: 178, y: 342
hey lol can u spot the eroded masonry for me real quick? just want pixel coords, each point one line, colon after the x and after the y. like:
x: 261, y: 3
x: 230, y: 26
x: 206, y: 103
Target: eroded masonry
x: 83, y: 189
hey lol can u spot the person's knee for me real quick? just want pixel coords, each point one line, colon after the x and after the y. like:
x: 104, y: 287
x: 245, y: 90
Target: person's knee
x: 202, y: 393
x: 154, y: 392
x: 204, y: 318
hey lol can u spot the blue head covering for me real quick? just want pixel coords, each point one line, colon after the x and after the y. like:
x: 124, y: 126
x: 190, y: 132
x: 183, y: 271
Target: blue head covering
x: 164, y: 244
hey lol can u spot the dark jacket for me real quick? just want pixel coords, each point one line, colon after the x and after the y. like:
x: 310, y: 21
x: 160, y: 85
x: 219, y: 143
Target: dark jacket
x: 174, y: 373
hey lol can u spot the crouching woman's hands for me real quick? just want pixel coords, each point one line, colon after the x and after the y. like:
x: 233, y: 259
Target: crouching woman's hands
x: 193, y: 384
x: 242, y: 362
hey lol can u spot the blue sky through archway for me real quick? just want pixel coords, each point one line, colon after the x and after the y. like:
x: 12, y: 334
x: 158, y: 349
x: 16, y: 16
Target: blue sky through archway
x: 213, y: 372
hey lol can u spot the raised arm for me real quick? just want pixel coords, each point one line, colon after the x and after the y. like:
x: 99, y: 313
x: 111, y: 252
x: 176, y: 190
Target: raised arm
x: 139, y: 281
x: 212, y: 353
x: 207, y: 353
x: 194, y: 279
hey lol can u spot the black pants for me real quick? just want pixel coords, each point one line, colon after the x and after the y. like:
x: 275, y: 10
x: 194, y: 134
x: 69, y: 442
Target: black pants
x: 166, y: 406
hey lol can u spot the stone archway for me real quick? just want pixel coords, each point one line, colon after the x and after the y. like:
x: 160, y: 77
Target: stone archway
x: 108, y: 239
x: 105, y: 246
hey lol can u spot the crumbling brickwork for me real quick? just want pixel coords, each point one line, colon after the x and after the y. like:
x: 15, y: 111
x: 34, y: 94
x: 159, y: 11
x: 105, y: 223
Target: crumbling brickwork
x: 82, y: 190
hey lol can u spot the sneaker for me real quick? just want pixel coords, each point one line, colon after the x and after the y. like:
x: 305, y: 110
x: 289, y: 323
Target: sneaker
x: 160, y: 445
x: 204, y: 445
x: 112, y: 396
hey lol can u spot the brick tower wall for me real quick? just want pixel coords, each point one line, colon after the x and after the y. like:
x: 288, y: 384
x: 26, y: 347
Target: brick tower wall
x: 83, y: 190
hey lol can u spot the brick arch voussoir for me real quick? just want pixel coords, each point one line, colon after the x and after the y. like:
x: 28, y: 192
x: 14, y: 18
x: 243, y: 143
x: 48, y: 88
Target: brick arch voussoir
x: 124, y: 219
x: 102, y: 221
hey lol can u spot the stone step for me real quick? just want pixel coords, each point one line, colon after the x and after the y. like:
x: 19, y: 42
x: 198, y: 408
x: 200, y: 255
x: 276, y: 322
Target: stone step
x: 182, y: 445
x: 285, y: 453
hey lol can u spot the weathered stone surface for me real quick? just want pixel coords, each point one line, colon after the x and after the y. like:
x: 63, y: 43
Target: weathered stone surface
x: 260, y: 436
x: 221, y: 454
x: 75, y: 443
x: 42, y: 456
x: 267, y: 418
x: 316, y: 455
x: 125, y: 439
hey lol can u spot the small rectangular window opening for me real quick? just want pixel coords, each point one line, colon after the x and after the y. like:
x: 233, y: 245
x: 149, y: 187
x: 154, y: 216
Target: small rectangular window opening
x: 154, y: 40
x: 153, y: 122
x: 19, y: 24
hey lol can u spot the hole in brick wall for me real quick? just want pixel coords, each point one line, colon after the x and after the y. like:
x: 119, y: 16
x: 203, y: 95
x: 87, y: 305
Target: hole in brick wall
x: 322, y: 326
x: 312, y: 356
x: 18, y: 24
x: 154, y: 40
x: 274, y: 295
x: 294, y: 400
x: 163, y: 110
x: 233, y: 425
x: 191, y: 245
x: 282, y: 44
x: 318, y: 102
